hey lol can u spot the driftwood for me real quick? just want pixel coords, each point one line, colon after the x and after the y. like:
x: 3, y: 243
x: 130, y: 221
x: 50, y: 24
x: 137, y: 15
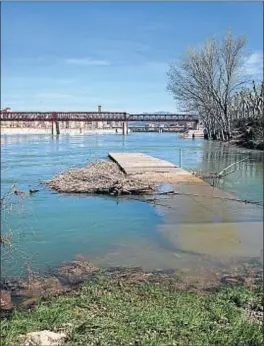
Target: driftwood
x: 154, y: 201
x: 100, y: 177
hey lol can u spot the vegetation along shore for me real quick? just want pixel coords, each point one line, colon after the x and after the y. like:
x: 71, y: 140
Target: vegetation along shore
x: 83, y: 305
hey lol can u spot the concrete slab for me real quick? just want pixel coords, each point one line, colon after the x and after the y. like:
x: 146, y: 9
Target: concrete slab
x: 136, y: 163
x: 148, y: 168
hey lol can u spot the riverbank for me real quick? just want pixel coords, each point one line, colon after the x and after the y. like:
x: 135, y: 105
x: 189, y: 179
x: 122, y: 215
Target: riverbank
x: 132, y: 307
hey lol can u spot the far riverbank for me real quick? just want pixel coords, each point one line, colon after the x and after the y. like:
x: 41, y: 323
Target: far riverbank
x: 39, y: 131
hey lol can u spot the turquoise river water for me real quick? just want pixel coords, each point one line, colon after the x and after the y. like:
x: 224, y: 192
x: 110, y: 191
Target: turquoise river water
x: 49, y: 228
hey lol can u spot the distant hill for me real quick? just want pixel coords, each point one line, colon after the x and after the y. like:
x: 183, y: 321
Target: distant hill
x: 162, y: 112
x: 159, y: 112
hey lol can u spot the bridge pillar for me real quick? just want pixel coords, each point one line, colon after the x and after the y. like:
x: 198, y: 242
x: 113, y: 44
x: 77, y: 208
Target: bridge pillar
x: 196, y: 125
x: 54, y: 120
x: 57, y: 127
x: 125, y: 128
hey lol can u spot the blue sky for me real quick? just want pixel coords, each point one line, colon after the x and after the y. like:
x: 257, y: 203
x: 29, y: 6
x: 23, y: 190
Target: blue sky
x: 76, y: 55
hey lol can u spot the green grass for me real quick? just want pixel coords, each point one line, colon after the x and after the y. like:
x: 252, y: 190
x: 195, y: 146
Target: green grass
x: 104, y: 312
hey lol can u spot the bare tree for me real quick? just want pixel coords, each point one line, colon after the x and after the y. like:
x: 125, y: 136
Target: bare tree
x: 247, y: 112
x: 206, y: 79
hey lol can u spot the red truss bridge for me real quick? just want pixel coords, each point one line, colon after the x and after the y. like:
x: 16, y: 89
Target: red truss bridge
x: 96, y: 116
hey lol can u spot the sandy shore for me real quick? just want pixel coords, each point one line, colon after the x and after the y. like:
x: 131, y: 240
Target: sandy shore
x: 35, y: 131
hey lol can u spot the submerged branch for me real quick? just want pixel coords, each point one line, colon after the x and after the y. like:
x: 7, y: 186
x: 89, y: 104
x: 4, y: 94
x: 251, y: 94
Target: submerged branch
x: 223, y: 172
x: 172, y: 192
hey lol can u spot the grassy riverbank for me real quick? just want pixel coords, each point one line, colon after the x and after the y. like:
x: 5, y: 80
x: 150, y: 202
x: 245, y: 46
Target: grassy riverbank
x: 116, y: 311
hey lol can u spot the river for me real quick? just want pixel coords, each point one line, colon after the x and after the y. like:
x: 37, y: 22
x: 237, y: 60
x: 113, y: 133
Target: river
x: 49, y: 228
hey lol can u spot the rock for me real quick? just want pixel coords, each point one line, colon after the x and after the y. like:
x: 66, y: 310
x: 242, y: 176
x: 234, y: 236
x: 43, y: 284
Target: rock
x: 31, y: 191
x: 6, y: 303
x: 43, y: 338
x: 75, y: 272
x: 232, y: 280
x: 29, y: 303
x: 39, y: 286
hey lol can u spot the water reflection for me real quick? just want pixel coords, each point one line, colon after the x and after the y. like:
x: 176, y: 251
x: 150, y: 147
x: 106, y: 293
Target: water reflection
x: 217, y: 156
x: 19, y: 139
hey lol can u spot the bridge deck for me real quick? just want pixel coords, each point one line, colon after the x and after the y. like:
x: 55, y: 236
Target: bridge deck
x: 96, y: 116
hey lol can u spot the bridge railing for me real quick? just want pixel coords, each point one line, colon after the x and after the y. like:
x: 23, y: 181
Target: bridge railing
x: 63, y: 116
x: 170, y: 117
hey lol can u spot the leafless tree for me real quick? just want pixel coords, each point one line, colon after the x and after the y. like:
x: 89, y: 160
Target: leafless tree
x: 206, y: 79
x: 247, y: 112
x: 248, y: 103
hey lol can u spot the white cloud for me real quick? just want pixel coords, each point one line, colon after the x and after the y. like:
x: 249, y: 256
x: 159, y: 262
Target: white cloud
x: 87, y: 62
x: 253, y: 64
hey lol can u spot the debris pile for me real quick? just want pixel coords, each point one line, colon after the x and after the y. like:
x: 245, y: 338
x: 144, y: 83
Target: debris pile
x: 99, y: 177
